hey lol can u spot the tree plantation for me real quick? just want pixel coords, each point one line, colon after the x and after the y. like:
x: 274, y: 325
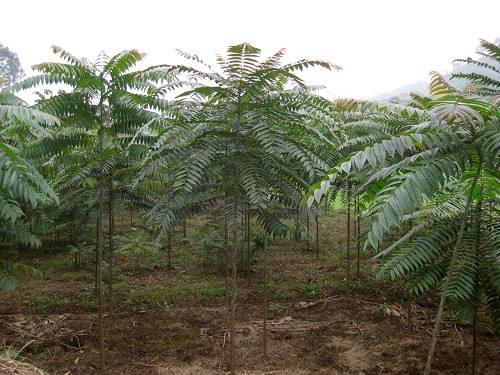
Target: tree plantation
x: 219, y: 218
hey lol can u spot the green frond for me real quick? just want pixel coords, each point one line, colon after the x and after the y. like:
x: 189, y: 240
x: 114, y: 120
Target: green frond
x: 439, y: 86
x: 122, y: 62
x: 453, y: 111
x: 274, y: 60
x: 28, y: 116
x: 490, y: 49
x: 70, y: 71
x: 489, y: 142
x: 408, y: 191
x: 463, y: 276
x: 43, y: 79
x: 427, y: 277
x: 422, y: 251
x: 72, y: 59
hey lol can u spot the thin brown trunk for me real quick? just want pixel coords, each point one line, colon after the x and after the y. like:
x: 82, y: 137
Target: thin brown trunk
x: 348, y: 272
x: 410, y: 316
x: 236, y: 209
x: 110, y: 238
x: 265, y: 297
x: 96, y: 252
x: 184, y: 228
x: 478, y: 249
x: 474, y: 344
x: 100, y: 242
x: 358, y: 234
x: 439, y: 317
x: 248, y: 243
x: 317, y: 236
x: 297, y: 226
x: 308, y: 242
x: 205, y: 259
x: 225, y: 231
x: 169, y: 250
x: 226, y: 261
x: 232, y: 322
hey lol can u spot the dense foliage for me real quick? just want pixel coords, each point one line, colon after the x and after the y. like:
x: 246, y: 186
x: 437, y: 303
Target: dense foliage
x: 249, y: 137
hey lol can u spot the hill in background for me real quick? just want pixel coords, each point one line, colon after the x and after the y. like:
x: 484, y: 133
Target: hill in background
x: 402, y: 94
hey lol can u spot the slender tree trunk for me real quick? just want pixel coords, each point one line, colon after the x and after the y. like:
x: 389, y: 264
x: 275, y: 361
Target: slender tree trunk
x: 232, y: 323
x: 248, y: 244
x: 169, y: 250
x: 236, y: 210
x: 308, y: 242
x: 265, y: 297
x: 205, y: 256
x: 241, y: 244
x: 439, y: 317
x: 317, y: 236
x: 96, y: 252
x: 474, y: 344
x: 478, y: 249
x: 110, y: 238
x: 297, y: 226
x: 100, y: 240
x: 358, y: 234
x: 225, y: 231
x: 184, y: 228
x: 226, y: 260
x: 131, y: 218
x: 348, y: 234
x: 355, y: 232
x: 410, y: 315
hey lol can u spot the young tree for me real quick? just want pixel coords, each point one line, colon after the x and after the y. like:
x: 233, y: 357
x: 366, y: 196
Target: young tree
x: 430, y: 173
x: 105, y: 104
x: 22, y: 187
x: 244, y: 136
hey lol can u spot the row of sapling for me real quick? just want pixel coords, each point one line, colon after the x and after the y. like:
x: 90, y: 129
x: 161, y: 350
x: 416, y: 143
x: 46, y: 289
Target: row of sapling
x: 430, y: 168
x: 250, y: 138
x: 100, y: 113
x: 236, y: 143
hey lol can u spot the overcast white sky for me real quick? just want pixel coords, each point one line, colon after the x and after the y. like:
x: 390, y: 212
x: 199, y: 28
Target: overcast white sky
x: 381, y: 44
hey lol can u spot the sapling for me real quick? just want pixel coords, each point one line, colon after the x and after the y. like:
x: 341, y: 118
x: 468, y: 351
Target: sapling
x: 78, y: 251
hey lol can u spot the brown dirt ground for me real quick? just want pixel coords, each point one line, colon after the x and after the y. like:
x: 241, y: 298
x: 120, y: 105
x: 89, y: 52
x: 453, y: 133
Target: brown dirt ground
x: 345, y: 336
x: 359, y: 331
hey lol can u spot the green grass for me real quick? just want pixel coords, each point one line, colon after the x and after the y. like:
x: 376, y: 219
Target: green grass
x: 209, y: 289
x: 47, y: 303
x: 155, y: 297
x: 293, y: 273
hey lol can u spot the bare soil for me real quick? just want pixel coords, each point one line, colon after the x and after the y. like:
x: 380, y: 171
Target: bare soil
x: 174, y: 321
